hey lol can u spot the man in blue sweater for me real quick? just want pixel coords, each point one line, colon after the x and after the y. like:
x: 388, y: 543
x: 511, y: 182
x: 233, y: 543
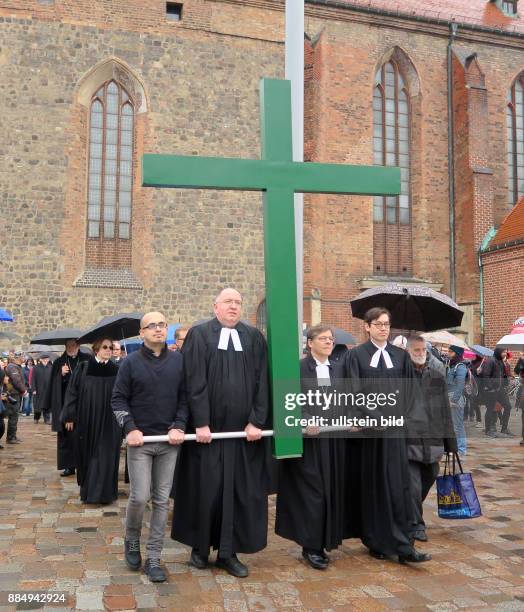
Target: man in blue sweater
x: 149, y: 399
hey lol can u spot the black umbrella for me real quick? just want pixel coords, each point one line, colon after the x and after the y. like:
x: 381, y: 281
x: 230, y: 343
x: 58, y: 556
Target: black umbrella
x: 412, y: 307
x: 57, y: 336
x: 7, y: 335
x: 341, y: 336
x: 116, y: 327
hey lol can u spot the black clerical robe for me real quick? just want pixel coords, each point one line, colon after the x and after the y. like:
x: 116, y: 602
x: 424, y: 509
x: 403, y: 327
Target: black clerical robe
x: 310, y: 502
x: 221, y: 488
x: 53, y: 403
x: 97, y: 434
x: 378, y: 500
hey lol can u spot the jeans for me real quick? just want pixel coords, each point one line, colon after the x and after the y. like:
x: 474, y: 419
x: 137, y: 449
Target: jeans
x: 151, y: 470
x: 27, y: 404
x: 457, y: 416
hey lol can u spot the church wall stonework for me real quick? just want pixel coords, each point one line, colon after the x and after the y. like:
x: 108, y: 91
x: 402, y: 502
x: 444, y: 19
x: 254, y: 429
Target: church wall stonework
x: 200, y: 79
x: 202, y: 90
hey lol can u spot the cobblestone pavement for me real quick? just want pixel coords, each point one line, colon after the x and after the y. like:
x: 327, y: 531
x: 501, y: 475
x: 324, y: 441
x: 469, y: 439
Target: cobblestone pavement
x: 49, y: 541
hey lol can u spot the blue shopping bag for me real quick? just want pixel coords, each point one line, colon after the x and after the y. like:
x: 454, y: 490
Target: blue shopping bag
x: 456, y: 495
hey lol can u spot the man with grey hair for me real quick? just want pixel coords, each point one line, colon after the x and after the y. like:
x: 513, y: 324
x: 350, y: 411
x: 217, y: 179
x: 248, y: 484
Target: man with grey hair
x: 221, y: 486
x: 436, y: 435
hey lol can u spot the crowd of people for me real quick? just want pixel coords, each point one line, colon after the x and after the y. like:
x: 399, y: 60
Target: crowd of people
x: 363, y: 481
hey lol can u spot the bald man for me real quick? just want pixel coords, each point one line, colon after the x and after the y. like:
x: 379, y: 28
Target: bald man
x: 221, y: 486
x: 149, y: 399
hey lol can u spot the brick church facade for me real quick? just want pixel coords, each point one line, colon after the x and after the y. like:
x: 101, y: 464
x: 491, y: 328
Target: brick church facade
x: 89, y: 86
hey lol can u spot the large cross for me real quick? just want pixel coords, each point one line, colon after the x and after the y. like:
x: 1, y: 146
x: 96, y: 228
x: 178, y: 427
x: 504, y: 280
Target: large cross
x: 279, y: 178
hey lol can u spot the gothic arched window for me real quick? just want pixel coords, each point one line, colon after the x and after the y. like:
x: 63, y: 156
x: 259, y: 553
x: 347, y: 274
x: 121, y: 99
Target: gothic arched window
x: 110, y: 177
x: 515, y: 137
x: 391, y: 141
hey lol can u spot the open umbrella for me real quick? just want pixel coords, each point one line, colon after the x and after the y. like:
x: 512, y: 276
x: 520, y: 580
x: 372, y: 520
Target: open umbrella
x: 512, y: 342
x: 481, y: 351
x: 5, y: 315
x: 444, y: 337
x: 411, y: 307
x: 117, y: 327
x: 341, y: 336
x: 7, y: 335
x: 57, y: 336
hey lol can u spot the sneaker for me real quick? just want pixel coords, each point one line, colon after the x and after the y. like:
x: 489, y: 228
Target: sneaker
x: 507, y: 433
x: 154, y: 570
x: 132, y: 554
x: 479, y: 424
x: 13, y: 441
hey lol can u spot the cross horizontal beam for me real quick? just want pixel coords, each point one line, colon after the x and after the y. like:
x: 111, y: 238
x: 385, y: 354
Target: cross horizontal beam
x: 263, y: 175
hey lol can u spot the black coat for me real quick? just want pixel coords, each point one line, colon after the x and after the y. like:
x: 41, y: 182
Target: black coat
x: 41, y: 380
x: 98, y: 436
x: 437, y: 431
x: 311, y: 489
x: 378, y: 504
x: 221, y: 488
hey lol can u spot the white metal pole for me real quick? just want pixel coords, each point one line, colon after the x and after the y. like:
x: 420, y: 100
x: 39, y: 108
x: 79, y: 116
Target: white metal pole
x: 295, y: 73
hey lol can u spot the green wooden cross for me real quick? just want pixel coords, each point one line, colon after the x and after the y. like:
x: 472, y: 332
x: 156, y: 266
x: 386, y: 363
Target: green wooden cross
x: 279, y: 178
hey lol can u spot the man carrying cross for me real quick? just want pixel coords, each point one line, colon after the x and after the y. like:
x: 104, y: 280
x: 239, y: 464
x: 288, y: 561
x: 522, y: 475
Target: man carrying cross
x: 221, y: 486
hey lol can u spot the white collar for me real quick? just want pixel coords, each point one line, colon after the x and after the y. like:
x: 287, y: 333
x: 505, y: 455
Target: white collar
x: 225, y: 334
x: 376, y: 356
x: 319, y: 363
x: 101, y: 360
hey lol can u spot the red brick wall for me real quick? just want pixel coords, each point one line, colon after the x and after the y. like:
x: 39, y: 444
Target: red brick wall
x: 503, y: 290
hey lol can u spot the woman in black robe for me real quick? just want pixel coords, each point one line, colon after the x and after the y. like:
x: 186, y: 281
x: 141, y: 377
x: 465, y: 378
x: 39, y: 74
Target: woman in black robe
x: 310, y: 502
x: 87, y: 412
x: 378, y: 502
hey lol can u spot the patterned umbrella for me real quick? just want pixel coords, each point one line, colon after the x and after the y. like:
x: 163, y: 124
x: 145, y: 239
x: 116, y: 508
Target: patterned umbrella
x: 412, y: 307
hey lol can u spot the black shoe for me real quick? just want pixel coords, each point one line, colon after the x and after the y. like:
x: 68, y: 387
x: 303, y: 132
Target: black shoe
x: 507, y: 432
x: 68, y: 472
x: 132, y: 554
x: 232, y: 566
x: 197, y: 560
x: 13, y: 441
x: 420, y: 536
x: 317, y: 559
x: 154, y: 570
x: 377, y: 555
x: 521, y: 442
x: 414, y: 557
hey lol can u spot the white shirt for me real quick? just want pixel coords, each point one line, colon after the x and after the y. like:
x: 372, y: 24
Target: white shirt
x: 323, y: 377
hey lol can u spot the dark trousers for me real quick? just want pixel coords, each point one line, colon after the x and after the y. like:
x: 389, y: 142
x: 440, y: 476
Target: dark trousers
x: 422, y: 476
x: 473, y: 409
x: 12, y: 412
x: 491, y: 399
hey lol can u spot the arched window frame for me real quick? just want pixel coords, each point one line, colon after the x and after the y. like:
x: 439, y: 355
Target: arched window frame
x: 515, y: 139
x: 110, y: 140
x: 392, y: 209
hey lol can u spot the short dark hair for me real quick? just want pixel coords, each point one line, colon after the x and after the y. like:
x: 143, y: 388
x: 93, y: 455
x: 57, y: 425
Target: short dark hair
x: 374, y: 313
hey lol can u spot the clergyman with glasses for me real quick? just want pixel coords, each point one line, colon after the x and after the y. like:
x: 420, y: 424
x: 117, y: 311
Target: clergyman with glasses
x: 310, y: 502
x: 378, y: 503
x: 149, y: 399
x: 221, y: 486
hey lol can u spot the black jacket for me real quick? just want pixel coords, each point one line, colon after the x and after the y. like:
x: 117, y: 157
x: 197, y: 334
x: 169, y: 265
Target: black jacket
x: 437, y: 435
x: 492, y: 375
x: 149, y: 392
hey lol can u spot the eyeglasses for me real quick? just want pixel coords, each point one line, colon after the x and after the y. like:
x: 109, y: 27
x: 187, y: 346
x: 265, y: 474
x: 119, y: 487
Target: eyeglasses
x: 381, y: 325
x: 326, y: 339
x: 107, y: 346
x: 152, y: 326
